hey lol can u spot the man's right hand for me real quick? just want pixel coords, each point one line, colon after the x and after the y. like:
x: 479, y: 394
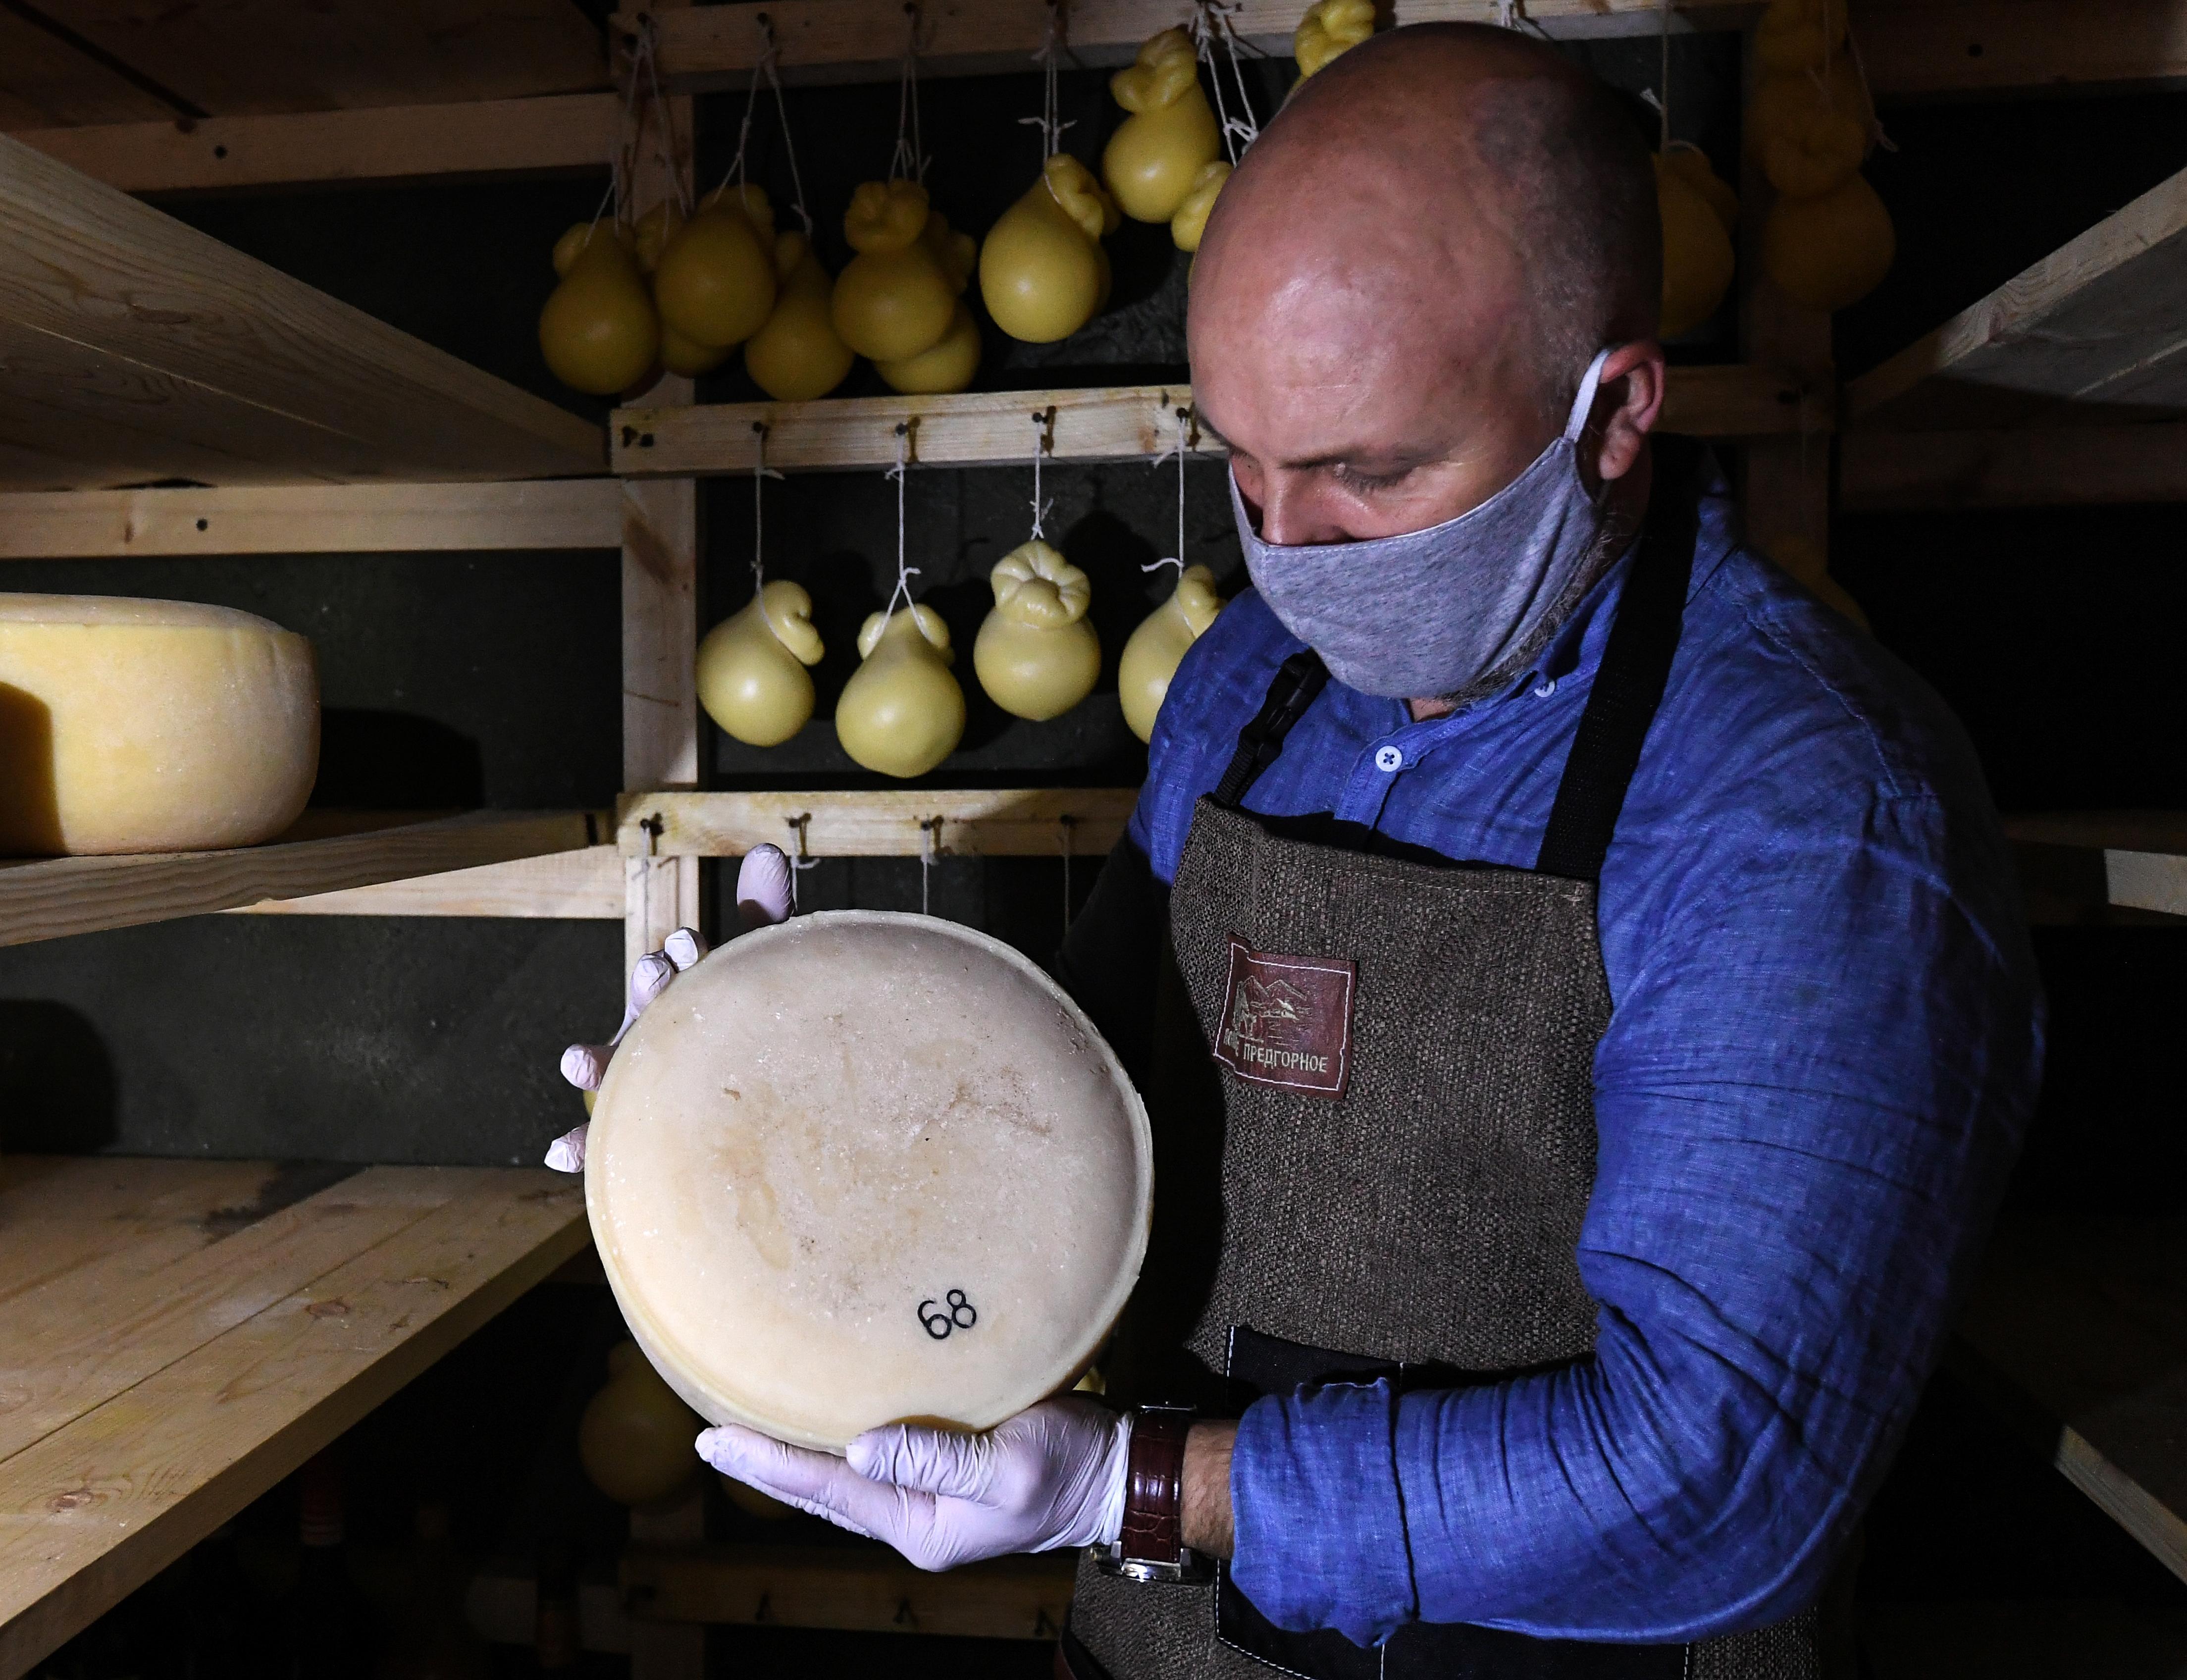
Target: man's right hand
x: 763, y: 898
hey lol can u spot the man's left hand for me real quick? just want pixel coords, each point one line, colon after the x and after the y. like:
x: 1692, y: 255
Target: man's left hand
x: 1053, y: 1476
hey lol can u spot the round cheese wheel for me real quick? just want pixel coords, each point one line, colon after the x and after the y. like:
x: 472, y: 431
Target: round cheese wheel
x: 150, y: 726
x: 862, y: 1168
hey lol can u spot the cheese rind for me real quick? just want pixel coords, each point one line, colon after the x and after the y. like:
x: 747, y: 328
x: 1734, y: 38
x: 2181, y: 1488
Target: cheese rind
x: 135, y: 726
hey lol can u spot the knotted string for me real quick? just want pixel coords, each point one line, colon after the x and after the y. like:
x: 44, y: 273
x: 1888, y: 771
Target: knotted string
x: 1179, y: 450
x: 1211, y: 19
x: 1050, y: 120
x: 769, y: 60
x: 904, y: 574
x: 668, y: 151
x: 628, y: 132
x: 761, y: 473
x: 1041, y: 422
x: 909, y: 159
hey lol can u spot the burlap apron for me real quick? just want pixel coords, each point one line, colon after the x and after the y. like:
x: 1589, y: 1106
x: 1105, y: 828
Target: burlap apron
x: 1384, y: 1082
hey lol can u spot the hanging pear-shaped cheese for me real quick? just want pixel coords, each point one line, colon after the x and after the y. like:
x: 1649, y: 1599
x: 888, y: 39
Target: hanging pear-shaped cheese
x: 797, y: 355
x: 958, y: 254
x: 1795, y: 36
x: 1331, y: 29
x: 901, y: 712
x: 1041, y: 268
x: 1832, y: 250
x: 579, y: 235
x: 950, y: 365
x: 749, y: 200
x: 678, y: 355
x: 715, y: 280
x: 1036, y: 654
x: 895, y: 299
x: 1697, y: 255
x: 654, y: 229
x: 1782, y: 100
x: 1690, y: 164
x: 597, y: 331
x: 1189, y: 224
x: 1152, y: 159
x: 635, y: 1437
x: 1813, y: 151
x: 752, y: 678
x: 1152, y: 655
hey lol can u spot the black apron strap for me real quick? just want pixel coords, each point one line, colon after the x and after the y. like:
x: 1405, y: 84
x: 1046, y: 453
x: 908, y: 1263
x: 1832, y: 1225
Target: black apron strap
x: 1298, y: 682
x: 1628, y: 685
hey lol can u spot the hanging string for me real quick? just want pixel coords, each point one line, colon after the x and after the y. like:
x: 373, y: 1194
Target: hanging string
x: 761, y: 473
x: 1041, y: 423
x: 904, y: 574
x: 1180, y: 450
x: 803, y: 860
x: 1209, y: 19
x: 768, y: 61
x: 909, y: 159
x: 1867, y: 93
x: 735, y: 172
x: 1663, y: 105
x: 1050, y: 120
x: 667, y: 152
x: 927, y: 831
x: 629, y: 131
x: 1064, y: 825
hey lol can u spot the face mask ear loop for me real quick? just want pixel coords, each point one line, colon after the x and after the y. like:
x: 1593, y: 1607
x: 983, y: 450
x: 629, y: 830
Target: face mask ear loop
x: 1584, y: 404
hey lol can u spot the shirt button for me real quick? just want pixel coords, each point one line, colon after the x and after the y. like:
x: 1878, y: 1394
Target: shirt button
x: 1389, y: 759
x: 1545, y: 687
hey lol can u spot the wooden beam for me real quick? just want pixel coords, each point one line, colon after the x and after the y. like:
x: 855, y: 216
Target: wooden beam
x: 155, y: 1401
x: 712, y: 46
x: 135, y: 347
x: 583, y: 885
x: 1913, y: 48
x: 2089, y: 333
x: 2031, y: 467
x: 43, y: 79
x: 2077, y: 866
x: 2075, y: 1332
x: 51, y: 897
x: 332, y: 519
x: 890, y: 822
x: 568, y: 132
x: 1113, y: 423
x: 851, y: 1589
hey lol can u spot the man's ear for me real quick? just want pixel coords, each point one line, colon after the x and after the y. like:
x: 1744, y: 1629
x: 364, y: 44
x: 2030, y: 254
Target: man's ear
x: 1627, y: 404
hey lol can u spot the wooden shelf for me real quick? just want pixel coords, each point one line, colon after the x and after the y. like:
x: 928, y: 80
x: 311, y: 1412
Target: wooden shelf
x: 180, y: 1335
x: 1116, y: 423
x: 2089, y: 866
x: 1915, y: 48
x: 137, y: 349
x: 582, y: 885
x: 849, y: 1588
x: 326, y: 851
x: 2035, y: 467
x: 2091, y: 334
x: 2076, y: 1332
x: 981, y: 823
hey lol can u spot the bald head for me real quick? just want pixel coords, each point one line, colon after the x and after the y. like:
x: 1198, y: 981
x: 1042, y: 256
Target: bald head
x: 1423, y: 251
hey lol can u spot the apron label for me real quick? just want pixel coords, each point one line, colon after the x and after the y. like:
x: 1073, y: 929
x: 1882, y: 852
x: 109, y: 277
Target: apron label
x: 1287, y: 1021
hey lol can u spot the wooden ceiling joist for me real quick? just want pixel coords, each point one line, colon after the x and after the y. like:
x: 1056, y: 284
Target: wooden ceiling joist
x: 568, y: 132
x: 2096, y: 333
x: 134, y: 348
x: 1913, y: 48
x: 44, y: 81
x: 2044, y: 467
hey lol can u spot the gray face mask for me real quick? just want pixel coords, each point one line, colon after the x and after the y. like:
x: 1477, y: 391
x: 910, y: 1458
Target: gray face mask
x: 1456, y: 609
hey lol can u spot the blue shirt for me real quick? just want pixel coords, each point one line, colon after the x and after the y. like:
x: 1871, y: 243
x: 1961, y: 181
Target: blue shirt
x: 1824, y: 1049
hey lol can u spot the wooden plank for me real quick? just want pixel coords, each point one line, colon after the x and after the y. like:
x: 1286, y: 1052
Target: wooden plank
x: 334, y: 519
x: 1916, y: 47
x: 2030, y: 467
x: 849, y: 1588
x: 1112, y: 423
x: 975, y: 822
x: 567, y: 131
x: 245, y: 56
x: 120, y: 314
x: 584, y: 885
x: 2095, y: 332
x: 45, y: 81
x: 2077, y: 1331
x: 92, y: 1510
x: 51, y: 897
x: 712, y: 46
x: 2077, y: 866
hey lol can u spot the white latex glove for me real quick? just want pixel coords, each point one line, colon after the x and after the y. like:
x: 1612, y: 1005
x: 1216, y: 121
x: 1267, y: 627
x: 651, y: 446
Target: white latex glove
x: 1053, y: 1476
x: 762, y: 897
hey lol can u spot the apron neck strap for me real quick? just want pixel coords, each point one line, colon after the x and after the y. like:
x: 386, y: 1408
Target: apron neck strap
x: 1298, y: 682
x: 1628, y: 684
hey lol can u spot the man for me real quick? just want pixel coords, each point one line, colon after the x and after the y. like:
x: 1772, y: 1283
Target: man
x: 1600, y: 1022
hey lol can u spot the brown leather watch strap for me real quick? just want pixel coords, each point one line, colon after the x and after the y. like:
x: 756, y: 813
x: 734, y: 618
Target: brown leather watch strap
x: 1154, y: 1487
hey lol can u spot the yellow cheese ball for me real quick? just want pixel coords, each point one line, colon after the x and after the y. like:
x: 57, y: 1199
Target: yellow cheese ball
x: 150, y: 726
x: 1042, y: 269
x: 1691, y: 165
x: 1329, y: 29
x: 751, y: 673
x: 678, y: 355
x: 598, y: 331
x: 950, y: 365
x: 747, y: 201
x: 1797, y: 36
x: 716, y: 282
x: 1781, y: 99
x: 1036, y: 654
x: 901, y: 712
x: 1156, y: 152
x: 1812, y: 151
x: 798, y: 355
x: 896, y: 298
x: 654, y: 229
x: 1832, y: 250
x: 1190, y: 225
x: 1152, y: 655
x: 1697, y: 253
x: 958, y: 254
x: 635, y: 1437
x: 885, y: 215
x: 578, y: 235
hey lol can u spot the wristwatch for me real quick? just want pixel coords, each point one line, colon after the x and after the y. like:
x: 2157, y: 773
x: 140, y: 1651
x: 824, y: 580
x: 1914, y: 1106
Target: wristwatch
x: 1151, y: 1548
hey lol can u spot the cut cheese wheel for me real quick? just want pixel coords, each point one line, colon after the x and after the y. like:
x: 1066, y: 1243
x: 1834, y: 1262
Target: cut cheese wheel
x: 150, y: 726
x: 862, y: 1168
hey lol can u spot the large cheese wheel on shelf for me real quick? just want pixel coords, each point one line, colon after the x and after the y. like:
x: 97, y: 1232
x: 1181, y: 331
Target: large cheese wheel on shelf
x: 150, y: 726
x: 863, y: 1167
